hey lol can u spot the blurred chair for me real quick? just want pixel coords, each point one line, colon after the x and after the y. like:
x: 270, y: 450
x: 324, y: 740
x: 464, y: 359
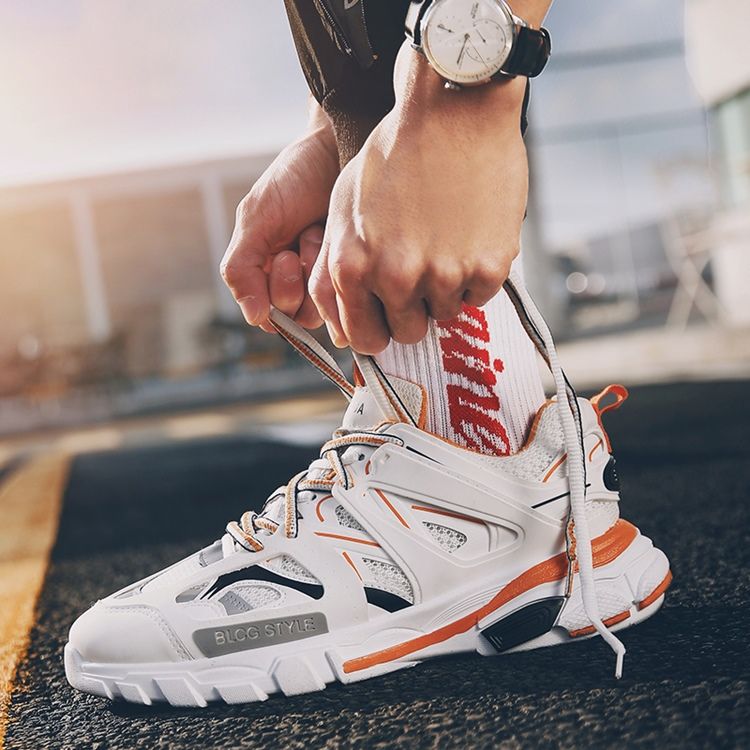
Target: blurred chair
x: 688, y: 250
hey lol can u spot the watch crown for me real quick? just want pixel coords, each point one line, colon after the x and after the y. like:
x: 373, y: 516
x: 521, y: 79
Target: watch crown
x: 451, y: 86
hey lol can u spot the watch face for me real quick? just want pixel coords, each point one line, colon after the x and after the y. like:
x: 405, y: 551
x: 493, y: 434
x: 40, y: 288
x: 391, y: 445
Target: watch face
x: 467, y: 41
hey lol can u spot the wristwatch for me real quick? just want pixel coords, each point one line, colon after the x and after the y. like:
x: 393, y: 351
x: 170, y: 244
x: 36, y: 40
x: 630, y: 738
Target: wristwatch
x: 470, y: 42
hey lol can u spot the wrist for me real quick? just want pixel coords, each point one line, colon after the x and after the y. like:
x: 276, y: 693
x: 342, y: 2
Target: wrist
x: 421, y: 96
x: 320, y: 127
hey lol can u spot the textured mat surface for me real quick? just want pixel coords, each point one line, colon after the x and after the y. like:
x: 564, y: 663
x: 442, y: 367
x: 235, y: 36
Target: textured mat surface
x: 684, y: 460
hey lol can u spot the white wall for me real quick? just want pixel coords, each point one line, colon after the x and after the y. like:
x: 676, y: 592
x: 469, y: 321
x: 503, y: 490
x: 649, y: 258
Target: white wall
x: 718, y: 52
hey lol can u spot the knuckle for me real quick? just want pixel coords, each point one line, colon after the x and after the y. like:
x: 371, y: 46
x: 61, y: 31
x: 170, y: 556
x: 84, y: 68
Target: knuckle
x: 323, y: 299
x: 397, y: 284
x: 316, y: 290
x: 490, y: 274
x: 445, y: 276
x: 230, y: 270
x: 349, y: 270
x: 247, y: 209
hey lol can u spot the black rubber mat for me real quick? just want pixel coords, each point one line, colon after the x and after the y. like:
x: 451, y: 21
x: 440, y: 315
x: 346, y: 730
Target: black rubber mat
x: 684, y: 461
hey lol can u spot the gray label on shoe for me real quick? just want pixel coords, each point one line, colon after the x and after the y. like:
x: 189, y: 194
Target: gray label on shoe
x: 260, y: 633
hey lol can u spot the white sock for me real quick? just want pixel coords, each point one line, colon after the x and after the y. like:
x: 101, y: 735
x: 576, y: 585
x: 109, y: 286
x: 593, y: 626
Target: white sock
x: 481, y: 375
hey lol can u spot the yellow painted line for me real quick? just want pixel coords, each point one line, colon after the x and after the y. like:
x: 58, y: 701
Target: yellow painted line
x: 30, y: 504
x: 87, y: 441
x: 198, y: 425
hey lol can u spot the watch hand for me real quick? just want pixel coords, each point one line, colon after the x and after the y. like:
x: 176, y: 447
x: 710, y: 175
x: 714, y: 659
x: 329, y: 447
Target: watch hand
x: 478, y: 53
x: 445, y: 28
x: 479, y: 34
x: 463, y: 49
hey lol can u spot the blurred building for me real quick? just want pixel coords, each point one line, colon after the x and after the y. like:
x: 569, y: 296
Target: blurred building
x: 115, y: 278
x: 719, y: 60
x: 621, y: 171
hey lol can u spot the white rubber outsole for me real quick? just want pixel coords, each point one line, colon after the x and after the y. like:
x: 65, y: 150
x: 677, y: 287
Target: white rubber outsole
x: 625, y: 588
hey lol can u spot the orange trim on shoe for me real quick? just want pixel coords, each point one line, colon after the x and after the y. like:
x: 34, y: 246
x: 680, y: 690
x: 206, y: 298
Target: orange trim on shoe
x: 317, y: 507
x: 599, y: 443
x: 391, y: 508
x: 605, y: 548
x: 422, y: 420
x: 359, y: 381
x: 347, y: 538
x: 448, y: 513
x: 609, y: 622
x: 555, y: 466
x: 354, y: 567
x: 657, y: 592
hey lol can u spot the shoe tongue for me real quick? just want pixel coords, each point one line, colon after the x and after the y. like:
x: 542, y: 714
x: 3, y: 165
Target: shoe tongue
x: 364, y: 413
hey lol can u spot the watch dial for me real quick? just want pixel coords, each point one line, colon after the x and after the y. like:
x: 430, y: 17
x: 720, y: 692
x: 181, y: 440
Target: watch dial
x: 467, y: 42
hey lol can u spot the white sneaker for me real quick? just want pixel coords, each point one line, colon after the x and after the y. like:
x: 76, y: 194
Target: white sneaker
x: 395, y: 546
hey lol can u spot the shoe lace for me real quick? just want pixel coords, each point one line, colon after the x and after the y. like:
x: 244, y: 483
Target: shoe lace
x: 322, y: 475
x: 577, y: 534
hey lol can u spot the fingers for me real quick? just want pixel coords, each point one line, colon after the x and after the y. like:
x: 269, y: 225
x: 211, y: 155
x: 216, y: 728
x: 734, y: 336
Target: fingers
x: 286, y: 286
x: 285, y: 282
x: 486, y: 281
x: 360, y: 312
x: 445, y: 291
x: 310, y: 243
x: 366, y: 303
x: 408, y: 325
x: 247, y: 281
x: 244, y: 267
x: 288, y: 278
x: 324, y: 296
x: 399, y: 285
x: 362, y: 320
x: 257, y: 278
x: 445, y: 307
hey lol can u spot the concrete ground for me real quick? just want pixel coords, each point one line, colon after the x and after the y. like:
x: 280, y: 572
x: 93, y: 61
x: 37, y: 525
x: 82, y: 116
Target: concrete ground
x: 683, y: 456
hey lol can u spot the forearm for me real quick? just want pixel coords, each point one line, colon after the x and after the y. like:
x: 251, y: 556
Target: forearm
x: 423, y: 99
x: 532, y: 11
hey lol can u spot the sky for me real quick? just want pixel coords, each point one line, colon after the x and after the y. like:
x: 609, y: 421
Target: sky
x: 97, y: 85
x: 91, y: 86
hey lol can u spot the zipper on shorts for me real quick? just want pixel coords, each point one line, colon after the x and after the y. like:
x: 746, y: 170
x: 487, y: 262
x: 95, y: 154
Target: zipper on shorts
x: 336, y: 28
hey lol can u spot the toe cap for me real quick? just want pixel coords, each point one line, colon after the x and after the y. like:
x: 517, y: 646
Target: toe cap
x: 125, y: 635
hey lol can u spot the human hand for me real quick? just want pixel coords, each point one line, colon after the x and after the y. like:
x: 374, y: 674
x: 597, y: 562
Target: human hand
x: 279, y: 230
x: 428, y: 215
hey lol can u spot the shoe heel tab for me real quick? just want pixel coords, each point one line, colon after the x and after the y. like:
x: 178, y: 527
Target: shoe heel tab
x: 620, y: 393
x: 602, y: 403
